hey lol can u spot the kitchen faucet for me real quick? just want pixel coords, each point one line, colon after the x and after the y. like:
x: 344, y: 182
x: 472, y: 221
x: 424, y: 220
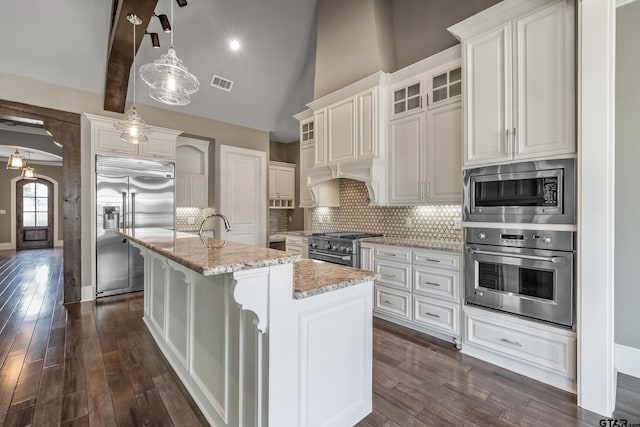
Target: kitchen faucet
x: 225, y: 220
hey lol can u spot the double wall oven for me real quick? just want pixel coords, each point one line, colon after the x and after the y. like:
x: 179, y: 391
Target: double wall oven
x: 515, y: 261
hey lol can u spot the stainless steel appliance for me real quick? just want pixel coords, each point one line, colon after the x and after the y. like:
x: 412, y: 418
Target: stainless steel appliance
x: 130, y: 193
x: 524, y: 272
x: 527, y: 192
x: 338, y: 248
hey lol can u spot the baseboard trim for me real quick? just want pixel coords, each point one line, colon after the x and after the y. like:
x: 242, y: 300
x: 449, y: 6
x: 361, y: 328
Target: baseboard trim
x: 58, y: 244
x: 6, y: 246
x: 627, y: 360
x: 87, y: 293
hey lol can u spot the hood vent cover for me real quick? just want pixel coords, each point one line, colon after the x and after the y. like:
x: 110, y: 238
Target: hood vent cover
x: 221, y: 83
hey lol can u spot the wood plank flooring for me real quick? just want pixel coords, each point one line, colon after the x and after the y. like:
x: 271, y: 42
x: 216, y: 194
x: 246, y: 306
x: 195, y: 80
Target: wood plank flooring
x: 94, y: 364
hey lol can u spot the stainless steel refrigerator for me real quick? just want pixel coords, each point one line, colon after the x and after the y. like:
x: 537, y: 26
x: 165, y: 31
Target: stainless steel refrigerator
x: 130, y: 193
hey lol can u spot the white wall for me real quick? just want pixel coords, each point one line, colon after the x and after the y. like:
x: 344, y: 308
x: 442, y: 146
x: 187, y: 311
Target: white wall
x: 627, y: 234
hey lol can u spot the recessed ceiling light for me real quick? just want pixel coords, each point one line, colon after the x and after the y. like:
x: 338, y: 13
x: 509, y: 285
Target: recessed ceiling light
x: 234, y: 44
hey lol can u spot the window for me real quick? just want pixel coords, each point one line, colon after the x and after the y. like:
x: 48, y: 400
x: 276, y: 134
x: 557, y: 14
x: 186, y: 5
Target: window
x: 35, y: 205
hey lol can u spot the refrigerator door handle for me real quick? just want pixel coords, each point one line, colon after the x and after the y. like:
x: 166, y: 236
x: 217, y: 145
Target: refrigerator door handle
x: 124, y: 209
x: 133, y: 210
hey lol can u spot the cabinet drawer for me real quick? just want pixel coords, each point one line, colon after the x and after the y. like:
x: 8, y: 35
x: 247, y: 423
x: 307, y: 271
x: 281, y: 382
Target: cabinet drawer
x: 392, y: 274
x: 437, y: 259
x: 541, y: 346
x: 393, y: 253
x: 395, y: 303
x: 436, y: 282
x: 438, y: 314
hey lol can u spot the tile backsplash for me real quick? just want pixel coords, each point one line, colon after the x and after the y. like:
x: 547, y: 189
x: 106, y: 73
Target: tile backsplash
x: 436, y: 222
x: 278, y: 220
x: 188, y: 219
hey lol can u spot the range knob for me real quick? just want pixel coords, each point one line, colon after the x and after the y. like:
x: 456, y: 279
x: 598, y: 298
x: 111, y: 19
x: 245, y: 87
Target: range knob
x: 348, y: 249
x: 546, y: 239
x: 482, y: 236
x: 313, y: 244
x: 327, y: 245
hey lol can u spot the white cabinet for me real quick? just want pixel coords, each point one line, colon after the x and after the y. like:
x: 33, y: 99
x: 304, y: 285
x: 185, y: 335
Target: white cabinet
x: 425, y: 147
x: 407, y: 160
x: 319, y: 194
x: 282, y: 178
x: 192, y: 172
x: 444, y: 154
x: 534, y: 349
x: 418, y: 288
x: 342, y: 137
x: 320, y: 145
x: 518, y: 82
x: 406, y: 97
x: 297, y: 245
x: 105, y: 139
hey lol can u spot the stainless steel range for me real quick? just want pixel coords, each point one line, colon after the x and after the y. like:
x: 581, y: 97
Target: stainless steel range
x: 524, y: 272
x: 338, y: 248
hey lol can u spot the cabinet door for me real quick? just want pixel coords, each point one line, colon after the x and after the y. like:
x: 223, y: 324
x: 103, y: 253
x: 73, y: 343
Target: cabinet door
x: 158, y: 147
x: 368, y: 124
x: 107, y: 139
x: 444, y: 143
x: 307, y: 156
x: 406, y: 98
x: 366, y: 257
x: 199, y: 196
x: 544, y: 83
x: 183, y: 190
x: 487, y: 101
x: 341, y: 131
x: 406, y: 152
x: 321, y: 142
x: 273, y: 192
x: 285, y: 182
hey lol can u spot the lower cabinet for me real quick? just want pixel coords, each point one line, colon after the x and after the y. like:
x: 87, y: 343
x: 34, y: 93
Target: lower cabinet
x: 297, y: 245
x: 543, y: 352
x: 418, y: 288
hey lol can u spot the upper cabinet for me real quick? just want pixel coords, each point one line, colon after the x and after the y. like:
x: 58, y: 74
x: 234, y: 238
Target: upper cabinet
x: 518, y: 77
x: 105, y: 139
x: 406, y: 97
x: 192, y: 172
x: 282, y: 184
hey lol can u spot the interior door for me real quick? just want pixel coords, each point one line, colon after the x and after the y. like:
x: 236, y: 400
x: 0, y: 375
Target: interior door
x: 243, y: 194
x: 34, y: 214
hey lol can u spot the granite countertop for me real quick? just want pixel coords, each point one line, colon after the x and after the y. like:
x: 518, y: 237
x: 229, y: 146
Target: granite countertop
x: 188, y: 250
x: 317, y: 277
x: 439, y: 245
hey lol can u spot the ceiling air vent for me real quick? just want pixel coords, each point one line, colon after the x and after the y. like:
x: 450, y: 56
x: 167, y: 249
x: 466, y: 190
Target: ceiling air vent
x: 221, y: 83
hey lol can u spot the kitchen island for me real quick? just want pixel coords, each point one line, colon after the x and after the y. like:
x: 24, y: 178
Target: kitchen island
x: 258, y: 336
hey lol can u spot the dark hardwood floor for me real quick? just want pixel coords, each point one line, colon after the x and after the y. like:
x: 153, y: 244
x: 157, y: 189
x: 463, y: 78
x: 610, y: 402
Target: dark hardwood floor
x: 93, y: 364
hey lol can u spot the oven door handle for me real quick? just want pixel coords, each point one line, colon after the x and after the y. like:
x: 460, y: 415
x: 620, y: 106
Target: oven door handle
x: 342, y: 257
x: 553, y: 259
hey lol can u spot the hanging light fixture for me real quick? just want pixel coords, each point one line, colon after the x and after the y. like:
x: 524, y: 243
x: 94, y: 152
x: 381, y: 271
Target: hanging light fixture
x: 16, y: 161
x: 27, y: 171
x: 168, y: 79
x: 133, y: 128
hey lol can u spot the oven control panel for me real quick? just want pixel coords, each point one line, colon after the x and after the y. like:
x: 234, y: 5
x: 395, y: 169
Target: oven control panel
x: 536, y: 239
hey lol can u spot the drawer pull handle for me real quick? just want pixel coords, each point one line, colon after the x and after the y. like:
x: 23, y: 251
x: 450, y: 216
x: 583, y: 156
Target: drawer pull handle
x: 516, y: 343
x: 386, y: 254
x: 432, y: 283
x: 387, y: 276
x: 431, y: 314
x: 387, y: 302
x: 431, y: 260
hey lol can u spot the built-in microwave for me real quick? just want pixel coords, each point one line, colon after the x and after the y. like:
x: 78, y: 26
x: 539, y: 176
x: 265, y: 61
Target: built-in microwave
x: 527, y: 192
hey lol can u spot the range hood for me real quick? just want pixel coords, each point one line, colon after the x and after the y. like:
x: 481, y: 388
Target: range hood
x: 372, y: 172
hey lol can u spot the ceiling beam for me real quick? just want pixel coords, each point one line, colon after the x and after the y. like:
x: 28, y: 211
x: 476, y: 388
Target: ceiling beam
x: 119, y: 57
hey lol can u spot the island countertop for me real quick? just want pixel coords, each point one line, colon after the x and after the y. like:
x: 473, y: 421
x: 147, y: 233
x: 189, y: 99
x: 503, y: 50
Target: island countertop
x: 188, y: 250
x: 316, y: 277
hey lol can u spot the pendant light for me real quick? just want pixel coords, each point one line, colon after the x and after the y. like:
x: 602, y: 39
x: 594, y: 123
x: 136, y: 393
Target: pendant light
x: 168, y: 79
x: 133, y: 128
x: 27, y: 171
x: 16, y: 161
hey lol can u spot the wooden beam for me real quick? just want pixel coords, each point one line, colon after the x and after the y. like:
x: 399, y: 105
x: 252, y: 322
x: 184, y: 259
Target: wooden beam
x: 119, y: 55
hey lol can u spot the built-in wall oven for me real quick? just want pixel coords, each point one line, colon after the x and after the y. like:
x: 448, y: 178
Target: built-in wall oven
x: 524, y: 272
x: 527, y: 192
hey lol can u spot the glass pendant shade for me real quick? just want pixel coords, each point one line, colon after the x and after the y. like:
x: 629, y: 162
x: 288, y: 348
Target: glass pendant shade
x: 169, y: 80
x: 29, y: 173
x: 133, y: 128
x: 16, y: 161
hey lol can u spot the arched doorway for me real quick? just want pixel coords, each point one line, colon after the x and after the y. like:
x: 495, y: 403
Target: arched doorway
x: 34, y: 214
